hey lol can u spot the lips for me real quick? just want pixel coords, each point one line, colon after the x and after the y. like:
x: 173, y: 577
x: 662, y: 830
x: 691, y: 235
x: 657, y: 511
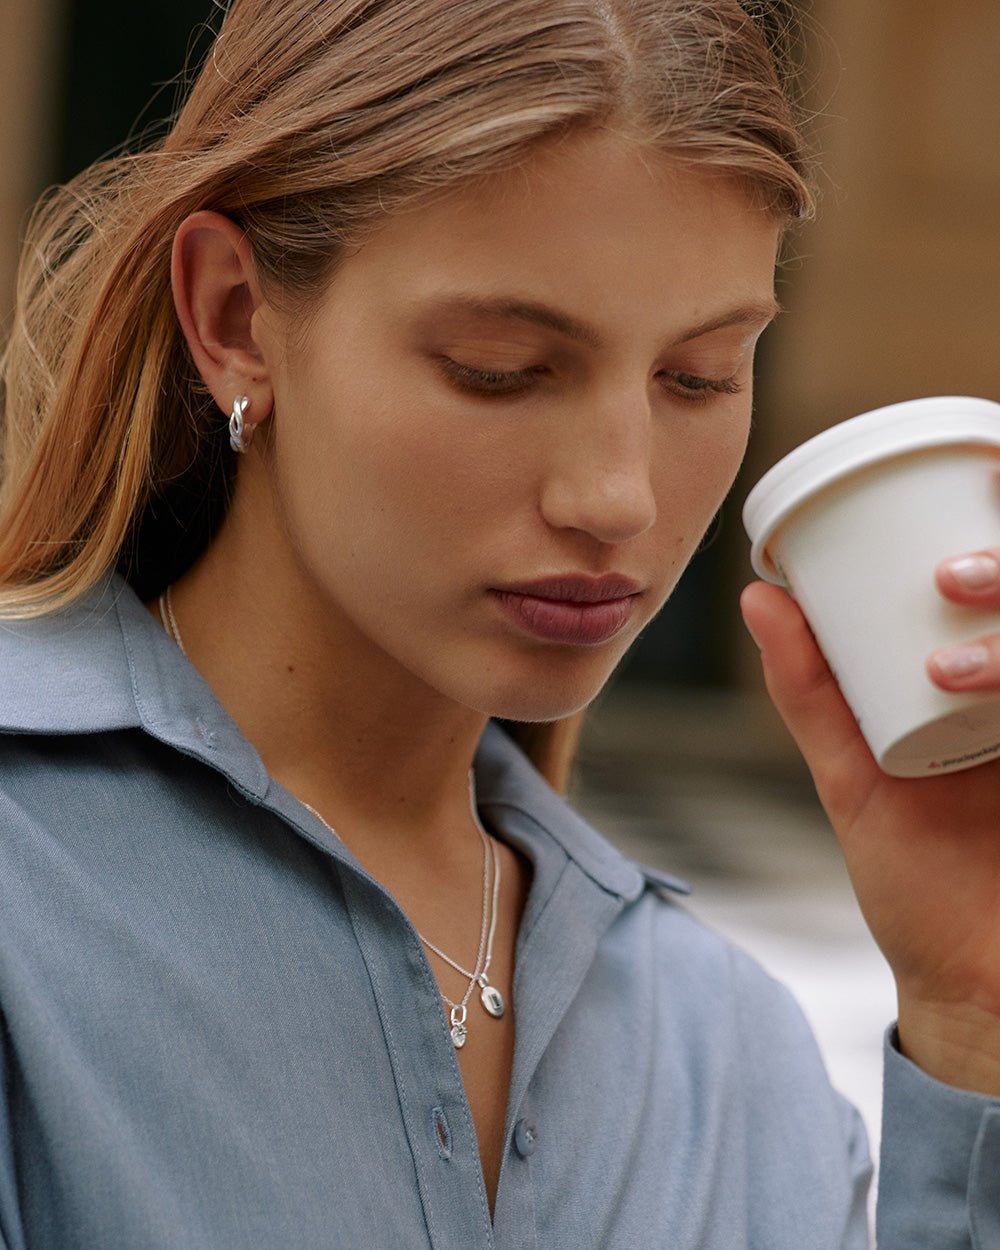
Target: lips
x: 574, y: 610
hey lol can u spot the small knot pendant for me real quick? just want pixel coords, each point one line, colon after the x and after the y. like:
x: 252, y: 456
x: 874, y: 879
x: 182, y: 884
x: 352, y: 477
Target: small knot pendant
x: 458, y: 1029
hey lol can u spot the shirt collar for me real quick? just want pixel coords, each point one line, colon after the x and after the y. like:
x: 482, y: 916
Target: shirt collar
x: 68, y: 672
x: 516, y: 800
x: 105, y: 664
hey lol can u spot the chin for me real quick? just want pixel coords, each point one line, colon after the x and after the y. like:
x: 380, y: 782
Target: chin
x: 532, y: 685
x: 539, y: 705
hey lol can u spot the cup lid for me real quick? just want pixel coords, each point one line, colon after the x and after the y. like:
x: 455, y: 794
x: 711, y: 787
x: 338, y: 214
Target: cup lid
x: 939, y: 421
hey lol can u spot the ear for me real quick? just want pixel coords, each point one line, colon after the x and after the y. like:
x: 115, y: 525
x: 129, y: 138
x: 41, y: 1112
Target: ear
x: 222, y: 311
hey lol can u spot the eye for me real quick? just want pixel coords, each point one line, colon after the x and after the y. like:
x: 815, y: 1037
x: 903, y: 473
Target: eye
x: 692, y: 387
x: 489, y: 382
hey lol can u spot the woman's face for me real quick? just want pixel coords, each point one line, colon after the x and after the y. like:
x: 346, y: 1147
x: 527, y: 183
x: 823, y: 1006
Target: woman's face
x: 514, y: 415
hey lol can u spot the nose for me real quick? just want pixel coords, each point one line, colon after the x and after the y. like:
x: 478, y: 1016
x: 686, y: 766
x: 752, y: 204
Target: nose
x: 600, y: 478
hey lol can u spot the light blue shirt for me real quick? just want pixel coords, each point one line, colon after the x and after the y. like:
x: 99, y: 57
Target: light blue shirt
x: 220, y: 1033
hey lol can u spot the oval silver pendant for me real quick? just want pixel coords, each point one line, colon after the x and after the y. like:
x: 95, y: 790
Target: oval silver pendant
x: 492, y: 1000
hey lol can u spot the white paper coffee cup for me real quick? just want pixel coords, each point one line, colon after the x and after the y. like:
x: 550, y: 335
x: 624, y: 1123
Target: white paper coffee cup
x: 853, y: 523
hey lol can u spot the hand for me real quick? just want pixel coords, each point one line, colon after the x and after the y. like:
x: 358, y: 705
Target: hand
x: 923, y: 854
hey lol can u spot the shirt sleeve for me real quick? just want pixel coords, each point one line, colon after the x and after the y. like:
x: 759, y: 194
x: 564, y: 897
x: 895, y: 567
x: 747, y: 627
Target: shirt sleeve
x: 939, y: 1181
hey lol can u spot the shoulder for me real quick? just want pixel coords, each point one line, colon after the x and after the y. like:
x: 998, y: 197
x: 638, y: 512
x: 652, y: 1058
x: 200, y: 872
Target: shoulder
x: 724, y: 988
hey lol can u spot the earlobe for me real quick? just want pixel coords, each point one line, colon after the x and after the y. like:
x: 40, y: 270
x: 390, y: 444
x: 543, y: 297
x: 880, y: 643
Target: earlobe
x: 216, y: 295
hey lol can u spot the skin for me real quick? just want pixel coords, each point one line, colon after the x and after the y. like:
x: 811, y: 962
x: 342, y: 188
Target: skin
x: 549, y: 373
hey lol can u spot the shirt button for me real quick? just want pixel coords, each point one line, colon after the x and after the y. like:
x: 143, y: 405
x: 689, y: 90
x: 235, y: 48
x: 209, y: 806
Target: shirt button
x: 525, y: 1138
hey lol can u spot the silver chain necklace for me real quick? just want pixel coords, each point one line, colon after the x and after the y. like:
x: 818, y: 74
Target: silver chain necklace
x: 168, y: 620
x: 490, y: 997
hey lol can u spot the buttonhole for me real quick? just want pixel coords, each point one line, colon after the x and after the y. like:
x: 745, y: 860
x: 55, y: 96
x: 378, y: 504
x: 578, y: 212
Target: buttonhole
x: 442, y: 1132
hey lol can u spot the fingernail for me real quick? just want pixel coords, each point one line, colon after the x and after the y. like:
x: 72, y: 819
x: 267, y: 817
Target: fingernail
x: 961, y: 661
x: 975, y: 572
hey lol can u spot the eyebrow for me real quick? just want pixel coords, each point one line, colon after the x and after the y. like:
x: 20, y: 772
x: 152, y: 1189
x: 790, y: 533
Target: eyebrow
x: 522, y: 310
x: 759, y: 313
x: 754, y: 313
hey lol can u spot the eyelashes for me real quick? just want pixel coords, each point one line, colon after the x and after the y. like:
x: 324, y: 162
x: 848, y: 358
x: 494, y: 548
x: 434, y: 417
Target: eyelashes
x: 490, y: 382
x: 496, y: 383
x: 700, y: 389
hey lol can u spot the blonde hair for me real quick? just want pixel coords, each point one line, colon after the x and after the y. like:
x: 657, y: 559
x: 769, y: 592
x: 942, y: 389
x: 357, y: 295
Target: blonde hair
x: 309, y: 122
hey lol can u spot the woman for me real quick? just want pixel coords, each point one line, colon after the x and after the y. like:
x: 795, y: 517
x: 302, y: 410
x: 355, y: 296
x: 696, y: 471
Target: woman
x: 397, y: 386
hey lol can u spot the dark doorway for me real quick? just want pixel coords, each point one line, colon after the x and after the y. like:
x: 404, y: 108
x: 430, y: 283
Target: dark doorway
x: 123, y: 69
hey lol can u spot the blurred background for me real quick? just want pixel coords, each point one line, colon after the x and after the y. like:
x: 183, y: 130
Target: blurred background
x: 894, y: 292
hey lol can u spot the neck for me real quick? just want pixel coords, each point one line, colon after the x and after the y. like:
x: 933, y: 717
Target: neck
x: 336, y: 721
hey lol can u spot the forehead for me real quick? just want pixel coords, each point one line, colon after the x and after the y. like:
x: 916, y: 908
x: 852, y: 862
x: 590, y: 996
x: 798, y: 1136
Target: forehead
x: 595, y: 226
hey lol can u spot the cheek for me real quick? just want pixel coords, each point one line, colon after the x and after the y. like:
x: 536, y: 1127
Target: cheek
x: 721, y: 462
x: 381, y: 485
x: 689, y: 494
x: 694, y: 474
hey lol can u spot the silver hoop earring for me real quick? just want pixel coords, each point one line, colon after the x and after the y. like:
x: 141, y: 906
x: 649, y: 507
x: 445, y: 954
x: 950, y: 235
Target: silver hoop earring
x: 240, y: 431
